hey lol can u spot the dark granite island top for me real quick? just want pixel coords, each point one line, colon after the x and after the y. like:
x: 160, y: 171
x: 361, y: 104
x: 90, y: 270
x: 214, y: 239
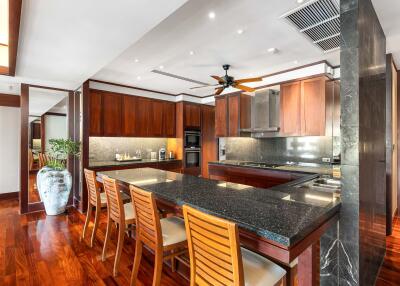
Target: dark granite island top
x: 283, y: 214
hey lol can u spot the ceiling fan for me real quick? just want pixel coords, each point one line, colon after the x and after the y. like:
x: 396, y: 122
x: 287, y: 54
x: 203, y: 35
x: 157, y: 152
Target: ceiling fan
x: 229, y: 81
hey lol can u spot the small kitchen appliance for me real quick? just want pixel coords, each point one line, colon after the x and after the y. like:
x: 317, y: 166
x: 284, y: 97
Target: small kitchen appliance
x: 162, y: 153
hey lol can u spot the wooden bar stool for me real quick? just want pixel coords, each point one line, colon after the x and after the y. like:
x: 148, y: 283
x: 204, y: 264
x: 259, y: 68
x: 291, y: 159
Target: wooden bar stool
x: 162, y: 236
x: 122, y: 214
x: 43, y: 160
x: 216, y: 257
x: 96, y: 199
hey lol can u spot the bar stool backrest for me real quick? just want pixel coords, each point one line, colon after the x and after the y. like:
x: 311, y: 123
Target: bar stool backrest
x: 148, y: 226
x: 215, y: 257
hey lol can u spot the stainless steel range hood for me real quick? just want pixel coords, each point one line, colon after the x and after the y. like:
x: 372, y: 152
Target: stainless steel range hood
x: 264, y: 114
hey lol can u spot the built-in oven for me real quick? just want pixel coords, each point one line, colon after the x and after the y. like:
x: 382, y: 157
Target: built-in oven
x: 192, y: 157
x: 192, y: 139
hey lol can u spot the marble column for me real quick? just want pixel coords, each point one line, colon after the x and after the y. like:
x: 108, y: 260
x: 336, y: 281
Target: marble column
x: 361, y: 243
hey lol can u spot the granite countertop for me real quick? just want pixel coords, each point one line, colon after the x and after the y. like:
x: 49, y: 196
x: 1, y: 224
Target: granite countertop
x: 284, y: 214
x: 323, y: 169
x: 96, y: 164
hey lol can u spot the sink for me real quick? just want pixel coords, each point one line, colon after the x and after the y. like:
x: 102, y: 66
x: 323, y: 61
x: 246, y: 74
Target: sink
x: 322, y: 184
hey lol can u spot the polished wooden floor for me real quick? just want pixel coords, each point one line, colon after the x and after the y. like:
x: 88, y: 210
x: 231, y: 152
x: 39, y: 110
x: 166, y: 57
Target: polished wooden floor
x: 47, y: 250
x: 390, y: 270
x: 44, y: 250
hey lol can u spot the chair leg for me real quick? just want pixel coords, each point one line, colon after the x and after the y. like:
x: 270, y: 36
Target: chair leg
x: 87, y: 221
x: 96, y: 224
x: 158, y: 264
x: 120, y: 245
x: 173, y: 262
x: 136, y: 261
x: 103, y: 256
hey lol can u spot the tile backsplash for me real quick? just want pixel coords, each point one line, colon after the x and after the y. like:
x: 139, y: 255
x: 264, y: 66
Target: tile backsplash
x: 277, y: 150
x: 104, y: 148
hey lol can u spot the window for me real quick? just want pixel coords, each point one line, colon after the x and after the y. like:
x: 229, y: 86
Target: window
x: 4, y: 32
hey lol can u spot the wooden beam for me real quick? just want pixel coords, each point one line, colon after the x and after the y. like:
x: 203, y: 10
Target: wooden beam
x: 10, y: 100
x: 14, y: 24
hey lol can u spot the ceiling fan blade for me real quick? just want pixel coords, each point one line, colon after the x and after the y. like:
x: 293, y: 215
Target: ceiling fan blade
x: 205, y: 86
x: 244, y: 88
x: 219, y: 90
x: 220, y: 79
x: 252, y: 79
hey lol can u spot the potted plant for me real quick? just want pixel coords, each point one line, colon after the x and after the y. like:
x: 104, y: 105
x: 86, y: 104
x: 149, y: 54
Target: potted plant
x: 54, y: 182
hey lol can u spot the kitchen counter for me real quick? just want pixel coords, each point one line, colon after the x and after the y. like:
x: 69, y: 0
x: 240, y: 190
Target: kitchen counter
x: 323, y: 169
x: 284, y: 214
x: 100, y: 164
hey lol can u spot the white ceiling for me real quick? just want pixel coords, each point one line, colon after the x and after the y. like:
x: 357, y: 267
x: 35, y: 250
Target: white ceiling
x: 214, y: 42
x: 42, y: 100
x: 388, y: 12
x: 66, y: 42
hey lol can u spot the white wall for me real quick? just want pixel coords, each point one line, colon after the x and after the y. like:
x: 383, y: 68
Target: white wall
x: 9, y: 149
x: 56, y: 128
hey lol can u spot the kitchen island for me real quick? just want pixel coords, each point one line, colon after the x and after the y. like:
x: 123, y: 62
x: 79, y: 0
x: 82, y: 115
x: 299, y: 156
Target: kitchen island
x: 282, y: 223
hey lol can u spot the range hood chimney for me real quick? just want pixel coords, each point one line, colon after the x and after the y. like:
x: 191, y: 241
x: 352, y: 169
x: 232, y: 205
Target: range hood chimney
x: 265, y: 107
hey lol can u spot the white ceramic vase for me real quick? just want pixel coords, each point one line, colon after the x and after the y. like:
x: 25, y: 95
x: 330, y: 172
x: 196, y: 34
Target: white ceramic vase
x: 54, y: 188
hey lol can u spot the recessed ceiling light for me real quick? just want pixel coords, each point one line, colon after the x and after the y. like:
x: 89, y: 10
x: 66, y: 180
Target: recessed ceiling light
x: 272, y: 50
x: 299, y: 1
x: 240, y: 31
x: 211, y: 15
x: 191, y: 53
x: 161, y: 67
x: 296, y: 62
x: 136, y: 60
x: 138, y: 77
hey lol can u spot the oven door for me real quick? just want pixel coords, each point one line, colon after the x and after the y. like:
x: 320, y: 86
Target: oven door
x: 192, y: 158
x: 192, y: 139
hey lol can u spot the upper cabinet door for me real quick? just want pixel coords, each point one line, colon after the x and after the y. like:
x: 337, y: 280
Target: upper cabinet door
x: 192, y: 115
x: 233, y: 115
x: 95, y: 114
x: 143, y: 109
x: 129, y: 104
x: 169, y: 121
x: 156, y: 119
x: 314, y: 106
x: 221, y: 116
x: 112, y: 114
x: 290, y: 105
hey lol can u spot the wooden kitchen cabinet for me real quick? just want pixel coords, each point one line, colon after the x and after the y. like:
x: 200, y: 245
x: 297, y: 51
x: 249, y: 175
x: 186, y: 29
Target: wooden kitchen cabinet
x: 155, y: 128
x: 313, y: 107
x: 209, y: 149
x: 232, y: 113
x: 303, y: 108
x: 169, y: 117
x: 260, y: 178
x: 129, y: 104
x: 221, y: 115
x: 192, y: 116
x: 143, y: 109
x: 290, y: 105
x: 112, y: 114
x: 95, y: 114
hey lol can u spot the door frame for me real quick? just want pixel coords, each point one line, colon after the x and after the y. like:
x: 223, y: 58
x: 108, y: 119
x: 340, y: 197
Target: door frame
x: 24, y: 205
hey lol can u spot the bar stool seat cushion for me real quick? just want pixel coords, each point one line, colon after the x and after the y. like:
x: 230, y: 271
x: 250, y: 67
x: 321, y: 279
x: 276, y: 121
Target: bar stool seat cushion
x: 129, y: 213
x: 259, y: 271
x: 103, y: 199
x: 173, y: 230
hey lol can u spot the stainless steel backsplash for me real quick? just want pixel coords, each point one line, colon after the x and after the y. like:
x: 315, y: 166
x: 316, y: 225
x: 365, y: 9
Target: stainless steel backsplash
x: 276, y: 150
